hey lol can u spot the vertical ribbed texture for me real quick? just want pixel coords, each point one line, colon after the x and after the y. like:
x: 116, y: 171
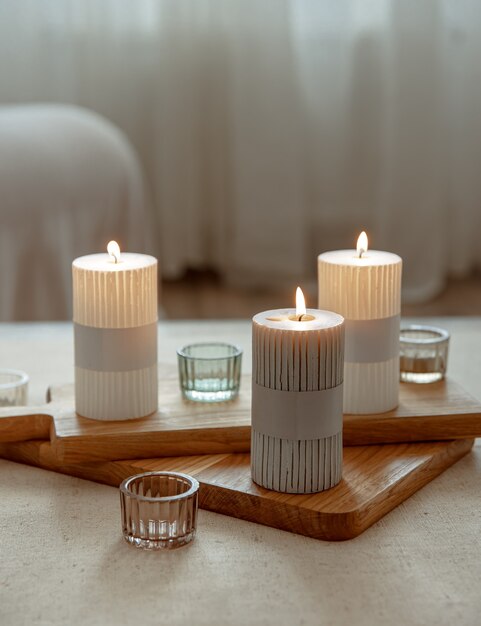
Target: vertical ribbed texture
x: 360, y: 381
x: 364, y: 292
x: 299, y: 360
x: 305, y: 466
x: 116, y: 395
x: 296, y: 361
x: 115, y: 296
x: 159, y: 510
x: 115, y: 299
x: 360, y: 293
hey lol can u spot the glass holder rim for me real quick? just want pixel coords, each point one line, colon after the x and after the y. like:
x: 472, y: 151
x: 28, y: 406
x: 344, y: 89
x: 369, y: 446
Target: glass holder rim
x: 441, y: 335
x: 22, y: 378
x: 237, y: 351
x: 194, y: 487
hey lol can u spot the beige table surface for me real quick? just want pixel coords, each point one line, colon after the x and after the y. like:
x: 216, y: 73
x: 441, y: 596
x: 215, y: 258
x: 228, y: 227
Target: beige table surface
x: 62, y: 559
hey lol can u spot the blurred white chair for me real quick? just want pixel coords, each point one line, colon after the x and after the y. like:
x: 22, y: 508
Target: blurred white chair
x: 69, y: 182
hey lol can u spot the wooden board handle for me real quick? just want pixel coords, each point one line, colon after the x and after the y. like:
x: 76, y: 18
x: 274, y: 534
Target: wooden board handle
x: 24, y: 423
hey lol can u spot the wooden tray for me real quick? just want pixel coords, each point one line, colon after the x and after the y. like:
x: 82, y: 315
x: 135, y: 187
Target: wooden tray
x: 375, y: 480
x: 439, y: 411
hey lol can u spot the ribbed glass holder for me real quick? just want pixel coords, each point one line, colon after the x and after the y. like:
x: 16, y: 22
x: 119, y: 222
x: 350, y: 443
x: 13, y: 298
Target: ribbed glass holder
x: 159, y: 510
x: 13, y: 388
x: 209, y: 372
x: 423, y: 354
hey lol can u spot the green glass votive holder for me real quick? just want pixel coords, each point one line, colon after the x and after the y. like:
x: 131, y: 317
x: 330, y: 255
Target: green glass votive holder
x: 209, y: 372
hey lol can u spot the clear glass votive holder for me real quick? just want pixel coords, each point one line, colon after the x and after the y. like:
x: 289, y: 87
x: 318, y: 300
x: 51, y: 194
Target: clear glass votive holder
x: 159, y: 510
x: 13, y: 388
x: 209, y: 372
x: 423, y: 354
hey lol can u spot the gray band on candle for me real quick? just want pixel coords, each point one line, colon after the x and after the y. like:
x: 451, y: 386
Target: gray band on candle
x: 297, y: 415
x: 372, y: 341
x: 115, y: 349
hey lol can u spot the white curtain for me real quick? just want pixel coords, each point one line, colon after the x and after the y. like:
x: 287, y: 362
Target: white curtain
x: 271, y: 130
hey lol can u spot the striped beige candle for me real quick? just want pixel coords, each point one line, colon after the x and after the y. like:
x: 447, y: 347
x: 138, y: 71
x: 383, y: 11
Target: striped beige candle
x: 115, y: 326
x: 297, y: 374
x: 364, y: 286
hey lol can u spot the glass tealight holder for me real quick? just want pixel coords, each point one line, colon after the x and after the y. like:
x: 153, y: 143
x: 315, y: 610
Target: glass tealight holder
x: 159, y: 510
x: 13, y: 388
x: 423, y: 354
x: 209, y: 372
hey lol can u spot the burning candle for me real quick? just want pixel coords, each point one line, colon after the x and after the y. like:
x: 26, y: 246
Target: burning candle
x: 364, y: 286
x: 115, y: 328
x: 297, y: 374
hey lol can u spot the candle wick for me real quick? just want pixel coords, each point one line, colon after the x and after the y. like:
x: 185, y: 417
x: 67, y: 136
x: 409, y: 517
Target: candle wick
x: 361, y: 252
x: 299, y: 319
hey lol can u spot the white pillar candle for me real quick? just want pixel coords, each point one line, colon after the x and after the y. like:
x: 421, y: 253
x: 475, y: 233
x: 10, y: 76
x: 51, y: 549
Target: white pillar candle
x: 297, y: 374
x: 115, y: 326
x: 364, y: 286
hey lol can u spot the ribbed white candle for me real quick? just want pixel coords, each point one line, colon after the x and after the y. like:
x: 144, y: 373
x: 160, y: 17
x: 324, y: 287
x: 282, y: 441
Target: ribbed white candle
x: 115, y: 322
x: 297, y: 372
x: 366, y: 291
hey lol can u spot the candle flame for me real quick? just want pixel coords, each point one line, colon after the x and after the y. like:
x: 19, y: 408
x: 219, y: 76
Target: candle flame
x: 361, y: 244
x: 300, y: 303
x: 114, y: 251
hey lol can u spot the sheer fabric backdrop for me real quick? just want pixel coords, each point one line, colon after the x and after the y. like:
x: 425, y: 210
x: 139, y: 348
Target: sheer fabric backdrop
x: 273, y: 130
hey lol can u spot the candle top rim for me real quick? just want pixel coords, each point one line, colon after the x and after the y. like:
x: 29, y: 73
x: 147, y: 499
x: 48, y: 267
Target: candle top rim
x: 103, y: 262
x: 368, y: 259
x: 324, y: 320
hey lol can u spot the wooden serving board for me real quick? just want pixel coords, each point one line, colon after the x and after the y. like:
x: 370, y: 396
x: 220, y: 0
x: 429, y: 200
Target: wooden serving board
x: 375, y: 480
x: 431, y: 412
x: 439, y: 411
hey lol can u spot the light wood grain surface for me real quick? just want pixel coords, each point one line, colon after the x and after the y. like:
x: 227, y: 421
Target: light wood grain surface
x: 63, y: 561
x: 375, y: 479
x: 436, y: 412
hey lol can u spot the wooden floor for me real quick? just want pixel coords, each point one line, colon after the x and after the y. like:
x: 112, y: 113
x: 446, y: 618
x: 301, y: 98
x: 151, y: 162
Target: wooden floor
x: 204, y: 296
